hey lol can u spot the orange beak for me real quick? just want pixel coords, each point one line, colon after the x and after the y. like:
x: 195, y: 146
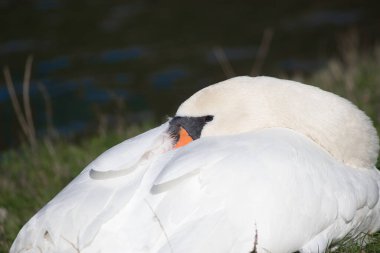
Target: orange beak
x: 184, y: 138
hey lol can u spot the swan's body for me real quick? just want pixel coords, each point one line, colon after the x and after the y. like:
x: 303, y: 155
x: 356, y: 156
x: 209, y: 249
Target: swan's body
x: 284, y: 182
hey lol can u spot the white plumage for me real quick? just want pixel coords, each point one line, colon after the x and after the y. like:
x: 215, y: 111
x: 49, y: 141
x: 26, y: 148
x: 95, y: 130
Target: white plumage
x: 281, y: 167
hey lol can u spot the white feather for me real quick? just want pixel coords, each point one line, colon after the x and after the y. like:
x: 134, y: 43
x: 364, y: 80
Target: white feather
x: 275, y: 171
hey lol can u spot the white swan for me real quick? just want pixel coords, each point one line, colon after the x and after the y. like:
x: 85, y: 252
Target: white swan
x: 275, y: 166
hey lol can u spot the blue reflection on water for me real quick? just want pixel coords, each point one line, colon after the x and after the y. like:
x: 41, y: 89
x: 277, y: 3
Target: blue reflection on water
x: 71, y: 128
x: 324, y: 18
x: 119, y: 55
x: 48, y: 66
x: 293, y: 64
x: 4, y: 95
x: 14, y: 46
x: 97, y: 95
x: 47, y: 5
x: 57, y: 87
x: 165, y: 79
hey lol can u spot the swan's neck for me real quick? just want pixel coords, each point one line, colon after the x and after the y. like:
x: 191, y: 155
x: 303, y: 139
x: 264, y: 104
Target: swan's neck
x: 248, y: 103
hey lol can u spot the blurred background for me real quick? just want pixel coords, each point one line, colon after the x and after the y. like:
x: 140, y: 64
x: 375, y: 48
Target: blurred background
x: 95, y: 62
x: 79, y: 76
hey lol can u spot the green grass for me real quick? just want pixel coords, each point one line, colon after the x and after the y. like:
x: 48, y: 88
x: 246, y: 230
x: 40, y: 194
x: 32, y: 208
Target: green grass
x: 364, y: 244
x: 31, y: 178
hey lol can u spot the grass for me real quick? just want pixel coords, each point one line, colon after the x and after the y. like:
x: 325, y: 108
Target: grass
x: 369, y: 244
x: 32, y: 176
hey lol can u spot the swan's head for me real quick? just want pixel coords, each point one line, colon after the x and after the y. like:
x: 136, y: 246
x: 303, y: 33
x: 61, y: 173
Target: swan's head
x: 244, y: 104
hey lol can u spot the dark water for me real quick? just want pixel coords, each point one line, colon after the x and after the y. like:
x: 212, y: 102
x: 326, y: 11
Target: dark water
x: 140, y: 59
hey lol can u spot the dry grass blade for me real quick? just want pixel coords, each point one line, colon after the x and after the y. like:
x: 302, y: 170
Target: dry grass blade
x: 48, y: 110
x: 26, y: 100
x: 224, y: 63
x: 263, y: 51
x: 15, y: 102
x: 25, y: 117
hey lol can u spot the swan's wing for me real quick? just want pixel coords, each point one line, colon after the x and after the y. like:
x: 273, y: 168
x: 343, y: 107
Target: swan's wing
x: 264, y: 185
x: 274, y: 190
x: 126, y: 155
x: 72, y: 219
x: 223, y: 194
